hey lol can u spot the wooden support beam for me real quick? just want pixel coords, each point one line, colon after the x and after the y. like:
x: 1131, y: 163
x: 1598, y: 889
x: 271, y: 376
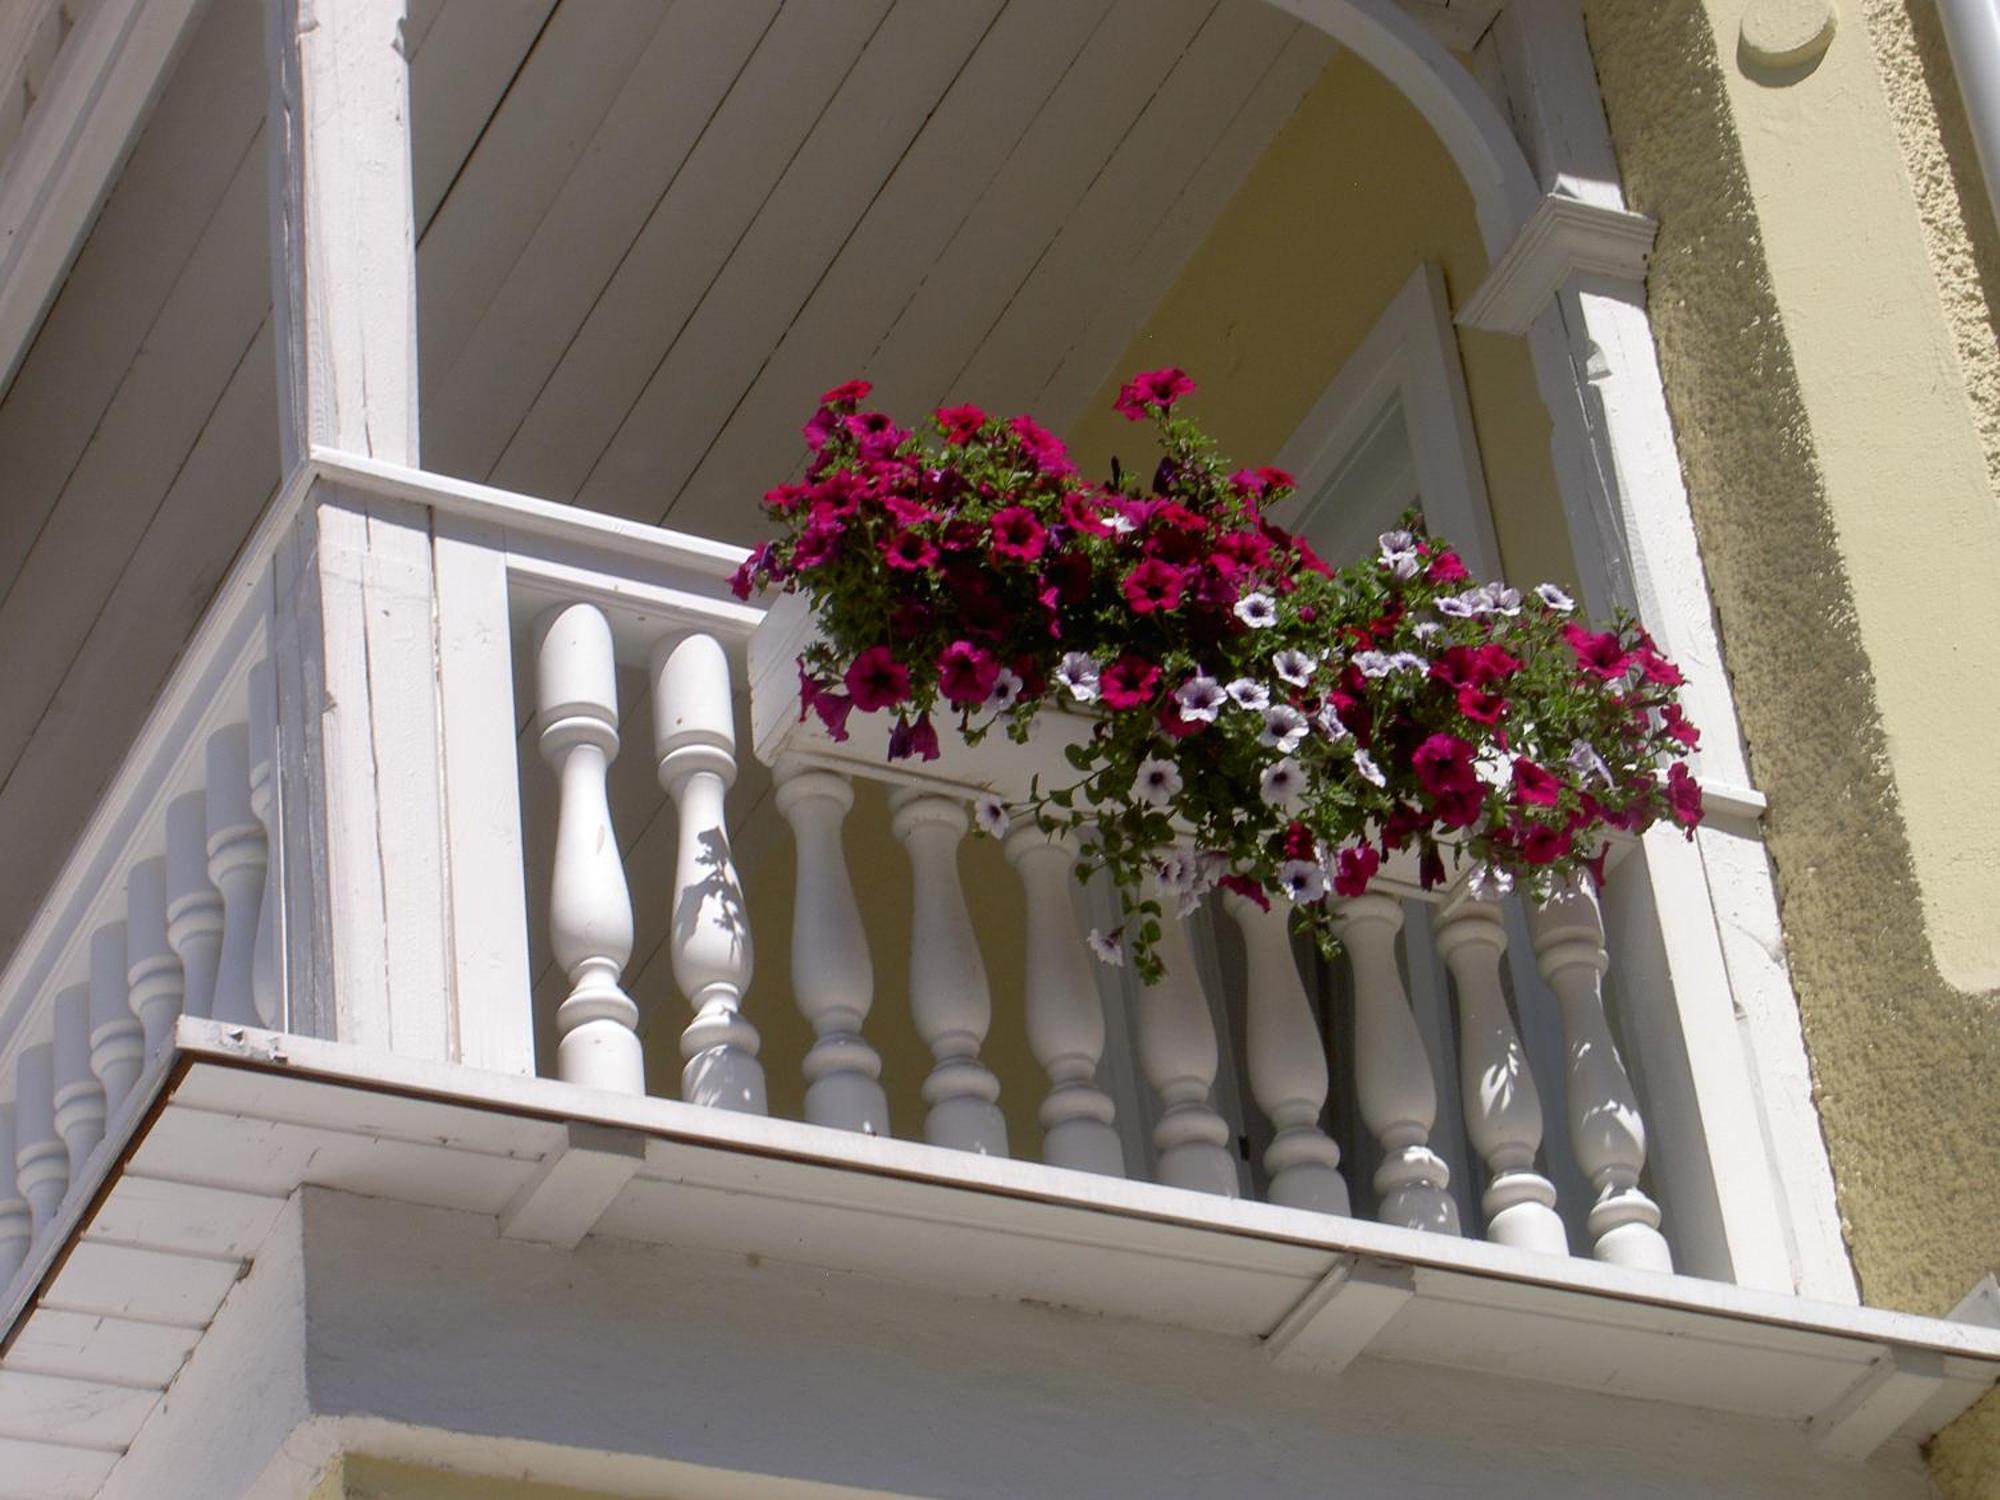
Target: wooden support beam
x: 1335, y: 1322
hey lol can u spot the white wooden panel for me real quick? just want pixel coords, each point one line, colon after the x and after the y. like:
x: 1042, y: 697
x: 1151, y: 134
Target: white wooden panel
x: 455, y: 84
x: 770, y: 110
x: 88, y: 1346
x: 1153, y: 163
x: 83, y: 1412
x: 48, y: 1471
x: 182, y: 1216
x: 476, y: 393
x: 1164, y: 250
x: 907, y: 226
x: 527, y: 150
x: 1045, y: 177
x: 260, y: 1156
x: 150, y: 1285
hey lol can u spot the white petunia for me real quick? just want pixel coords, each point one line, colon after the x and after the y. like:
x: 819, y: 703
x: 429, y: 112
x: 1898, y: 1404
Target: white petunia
x: 1210, y: 866
x: 1554, y: 598
x: 1364, y: 765
x: 1396, y: 541
x: 1284, y: 727
x: 1374, y: 663
x: 1257, y: 610
x: 1408, y: 661
x: 1006, y: 691
x: 1489, y: 883
x: 1175, y: 869
x: 1456, y: 606
x: 1106, y: 949
x: 1282, y: 783
x: 1587, y: 762
x: 992, y: 815
x: 1078, y: 672
x: 1120, y: 523
x: 1159, y: 782
x: 1295, y: 667
x: 1200, y: 699
x: 1399, y: 553
x: 1245, y: 692
x: 1302, y: 879
x: 1330, y: 724
x: 1479, y: 601
x: 1423, y: 630
x: 1504, y: 600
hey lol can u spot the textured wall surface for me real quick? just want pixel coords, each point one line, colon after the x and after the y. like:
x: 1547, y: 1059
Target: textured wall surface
x: 1352, y: 194
x: 1904, y: 1062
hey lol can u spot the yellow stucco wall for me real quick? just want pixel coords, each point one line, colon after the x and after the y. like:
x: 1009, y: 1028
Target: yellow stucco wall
x: 1833, y: 450
x: 1350, y: 196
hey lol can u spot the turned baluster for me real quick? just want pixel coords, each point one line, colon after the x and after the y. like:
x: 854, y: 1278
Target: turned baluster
x: 236, y: 864
x: 1393, y: 1083
x: 194, y: 905
x: 41, y: 1160
x: 1287, y: 1064
x: 694, y: 738
x: 949, y: 996
x: 1064, y: 1014
x: 151, y: 969
x: 1503, y: 1110
x: 117, y: 1039
x: 78, y: 1100
x: 832, y: 974
x: 1177, y: 1053
x: 265, y: 985
x: 590, y: 911
x: 16, y: 1227
x: 1605, y: 1131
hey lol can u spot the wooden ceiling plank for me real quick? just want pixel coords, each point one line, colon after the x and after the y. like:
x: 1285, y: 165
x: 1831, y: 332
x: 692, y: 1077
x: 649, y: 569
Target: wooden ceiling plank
x: 153, y: 423
x: 457, y: 78
x: 182, y: 168
x: 473, y: 407
x: 155, y: 1286
x: 1091, y: 254
x: 527, y: 151
x: 76, y: 1413
x: 769, y: 111
x: 52, y: 1471
x: 960, y: 149
x: 1045, y: 177
x: 867, y: 130
x: 87, y: 1346
x: 141, y: 624
x: 1123, y: 308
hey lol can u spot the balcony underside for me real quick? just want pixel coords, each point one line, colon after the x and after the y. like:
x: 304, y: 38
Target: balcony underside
x: 1260, y: 1293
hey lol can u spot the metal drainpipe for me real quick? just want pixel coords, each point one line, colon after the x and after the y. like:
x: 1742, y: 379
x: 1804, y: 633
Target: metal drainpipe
x: 1972, y: 32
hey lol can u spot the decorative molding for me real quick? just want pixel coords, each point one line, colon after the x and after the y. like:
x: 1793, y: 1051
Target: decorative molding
x: 1564, y: 237
x: 1459, y: 24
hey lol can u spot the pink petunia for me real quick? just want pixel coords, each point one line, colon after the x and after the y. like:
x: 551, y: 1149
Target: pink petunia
x: 877, y: 680
x: 960, y: 424
x: 966, y: 673
x: 1353, y: 869
x: 1684, y: 797
x: 909, y: 552
x: 919, y: 739
x: 1161, y: 388
x: 1598, y: 653
x: 1128, y: 682
x: 1443, y: 763
x: 1533, y: 786
x: 848, y: 393
x: 1153, y: 585
x: 1017, y: 534
x: 1044, y: 449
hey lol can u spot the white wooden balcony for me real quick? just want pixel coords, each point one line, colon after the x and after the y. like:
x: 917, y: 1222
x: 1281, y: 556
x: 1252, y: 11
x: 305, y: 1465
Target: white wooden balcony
x: 187, y: 1052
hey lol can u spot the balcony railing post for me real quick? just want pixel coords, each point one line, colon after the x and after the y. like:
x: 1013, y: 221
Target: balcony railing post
x: 832, y: 973
x: 1177, y: 1053
x: 41, y: 1160
x: 78, y: 1100
x: 949, y: 995
x: 1287, y: 1064
x: 194, y: 905
x: 16, y: 1226
x: 1606, y: 1132
x: 236, y: 864
x: 151, y: 969
x: 1393, y: 1082
x: 1065, y: 1018
x: 265, y: 984
x: 1503, y: 1109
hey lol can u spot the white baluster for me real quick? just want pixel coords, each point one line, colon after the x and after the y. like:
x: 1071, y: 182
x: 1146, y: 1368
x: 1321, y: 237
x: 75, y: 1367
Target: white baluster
x: 236, y: 863
x: 590, y: 911
x: 832, y: 974
x: 1503, y: 1110
x: 1287, y: 1064
x: 1605, y: 1131
x: 1177, y: 1053
x: 266, y: 986
x: 1064, y: 1013
x: 41, y: 1160
x: 16, y: 1227
x: 77, y: 1101
x: 117, y: 1040
x: 949, y: 996
x: 1393, y: 1082
x: 194, y: 905
x: 694, y: 737
x: 151, y: 969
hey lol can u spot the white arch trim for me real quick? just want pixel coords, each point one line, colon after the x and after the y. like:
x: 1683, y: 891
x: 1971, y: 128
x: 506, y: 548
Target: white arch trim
x: 1488, y: 157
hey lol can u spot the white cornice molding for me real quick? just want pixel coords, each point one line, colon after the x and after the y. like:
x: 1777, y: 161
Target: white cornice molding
x: 99, y: 90
x: 1459, y: 24
x: 1564, y: 237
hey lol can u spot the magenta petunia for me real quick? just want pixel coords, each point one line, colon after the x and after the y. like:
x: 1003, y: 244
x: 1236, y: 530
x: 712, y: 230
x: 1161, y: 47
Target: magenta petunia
x: 960, y: 424
x: 1678, y: 728
x: 1017, y: 534
x: 1684, y: 797
x: 1152, y: 388
x: 1128, y: 682
x: 1353, y: 869
x: 1533, y: 786
x: 1597, y: 652
x: 966, y: 673
x: 847, y: 393
x: 918, y: 739
x: 1247, y: 888
x: 909, y: 552
x: 1443, y: 763
x: 1044, y: 449
x: 877, y: 680
x: 1153, y: 585
x: 1542, y: 845
x: 1446, y: 567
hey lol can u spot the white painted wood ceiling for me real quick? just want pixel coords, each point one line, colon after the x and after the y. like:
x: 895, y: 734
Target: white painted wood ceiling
x: 683, y: 221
